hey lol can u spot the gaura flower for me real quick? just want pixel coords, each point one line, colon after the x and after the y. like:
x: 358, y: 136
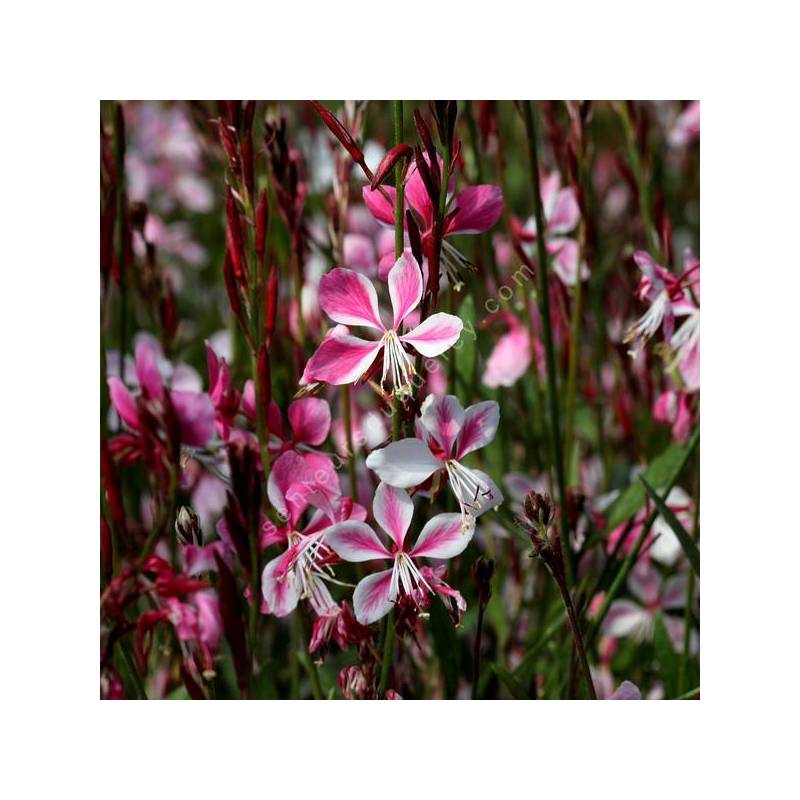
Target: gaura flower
x: 194, y: 410
x: 511, y: 356
x: 653, y: 595
x: 561, y: 215
x: 667, y: 295
x: 473, y: 210
x: 350, y: 299
x: 443, y: 537
x: 446, y: 434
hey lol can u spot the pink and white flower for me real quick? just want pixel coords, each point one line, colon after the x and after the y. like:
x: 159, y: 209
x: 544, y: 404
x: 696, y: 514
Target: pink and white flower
x: 561, y: 215
x: 442, y: 537
x: 348, y: 298
x: 447, y: 433
x: 652, y: 595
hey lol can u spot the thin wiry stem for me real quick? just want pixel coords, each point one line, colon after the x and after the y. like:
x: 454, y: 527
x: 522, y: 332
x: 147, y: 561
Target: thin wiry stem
x: 544, y: 308
x: 388, y: 653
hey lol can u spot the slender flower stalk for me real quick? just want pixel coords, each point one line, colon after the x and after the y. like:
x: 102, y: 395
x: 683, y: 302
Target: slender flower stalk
x: 544, y: 306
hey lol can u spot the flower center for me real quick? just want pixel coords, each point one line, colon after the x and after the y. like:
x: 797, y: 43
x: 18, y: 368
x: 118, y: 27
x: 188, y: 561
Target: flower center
x: 398, y: 363
x: 472, y: 493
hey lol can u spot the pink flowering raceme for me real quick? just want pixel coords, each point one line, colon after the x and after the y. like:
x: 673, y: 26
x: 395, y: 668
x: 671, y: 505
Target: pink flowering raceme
x: 194, y: 410
x: 444, y: 536
x: 350, y: 299
x: 561, y: 214
x: 473, y: 210
x: 447, y: 433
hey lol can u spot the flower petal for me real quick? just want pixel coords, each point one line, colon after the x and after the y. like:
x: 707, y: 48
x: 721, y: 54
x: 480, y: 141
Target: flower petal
x: 442, y: 418
x: 437, y: 333
x: 310, y: 419
x: 644, y: 582
x: 417, y: 195
x: 349, y: 298
x: 393, y: 510
x: 565, y: 214
x: 479, y: 427
x: 279, y: 587
x: 404, y: 464
x: 626, y: 691
x: 196, y: 416
x: 352, y: 540
x: 147, y: 368
x: 289, y: 486
x: 380, y: 208
x: 625, y: 618
x: 341, y: 358
x: 123, y: 402
x: 478, y: 209
x: 444, y: 536
x: 371, y: 597
x: 405, y: 287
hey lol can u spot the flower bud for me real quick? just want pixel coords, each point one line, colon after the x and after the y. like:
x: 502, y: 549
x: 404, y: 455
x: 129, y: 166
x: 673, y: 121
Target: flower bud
x: 538, y: 508
x: 187, y: 526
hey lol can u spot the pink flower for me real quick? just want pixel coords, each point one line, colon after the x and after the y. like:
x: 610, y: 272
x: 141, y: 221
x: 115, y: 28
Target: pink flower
x: 511, y: 356
x: 447, y: 433
x: 350, y: 299
x: 637, y: 618
x: 667, y: 295
x: 443, y: 537
x: 687, y: 127
x: 194, y: 410
x: 561, y: 214
x: 473, y: 210
x: 672, y: 408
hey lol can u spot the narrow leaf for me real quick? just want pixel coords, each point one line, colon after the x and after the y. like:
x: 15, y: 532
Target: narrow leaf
x: 687, y: 542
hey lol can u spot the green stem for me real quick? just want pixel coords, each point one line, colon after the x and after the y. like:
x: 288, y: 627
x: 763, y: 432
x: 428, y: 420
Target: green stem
x: 544, y: 308
x: 572, y: 618
x: 388, y: 652
x: 399, y: 235
x: 348, y: 427
x: 572, y: 369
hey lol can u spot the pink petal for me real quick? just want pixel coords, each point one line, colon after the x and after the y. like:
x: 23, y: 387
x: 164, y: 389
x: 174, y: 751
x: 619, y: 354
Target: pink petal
x: 405, y: 287
x: 442, y: 418
x: 673, y: 595
x: 509, y: 360
x: 565, y: 214
x: 349, y: 298
x: 325, y: 490
x: 355, y: 541
x: 479, y: 427
x: 565, y: 261
x: 124, y: 403
x: 371, y: 597
x: 479, y: 208
x: 625, y: 618
x: 380, y: 208
x: 644, y: 583
x: 549, y: 188
x: 310, y: 419
x: 288, y: 486
x: 279, y: 587
x: 341, y: 359
x: 417, y: 195
x: 196, y: 416
x: 359, y: 253
x: 404, y: 464
x: 147, y: 368
x: 444, y: 536
x: 393, y: 510
x: 436, y: 334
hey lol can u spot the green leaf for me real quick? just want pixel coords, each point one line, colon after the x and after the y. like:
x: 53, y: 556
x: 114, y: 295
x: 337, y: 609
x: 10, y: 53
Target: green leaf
x: 515, y: 688
x: 661, y: 472
x: 445, y: 645
x: 687, y: 543
x: 465, y: 348
x: 668, y: 659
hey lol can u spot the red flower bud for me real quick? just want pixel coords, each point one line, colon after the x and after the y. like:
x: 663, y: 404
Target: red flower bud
x: 399, y: 153
x: 343, y: 135
x: 271, y: 303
